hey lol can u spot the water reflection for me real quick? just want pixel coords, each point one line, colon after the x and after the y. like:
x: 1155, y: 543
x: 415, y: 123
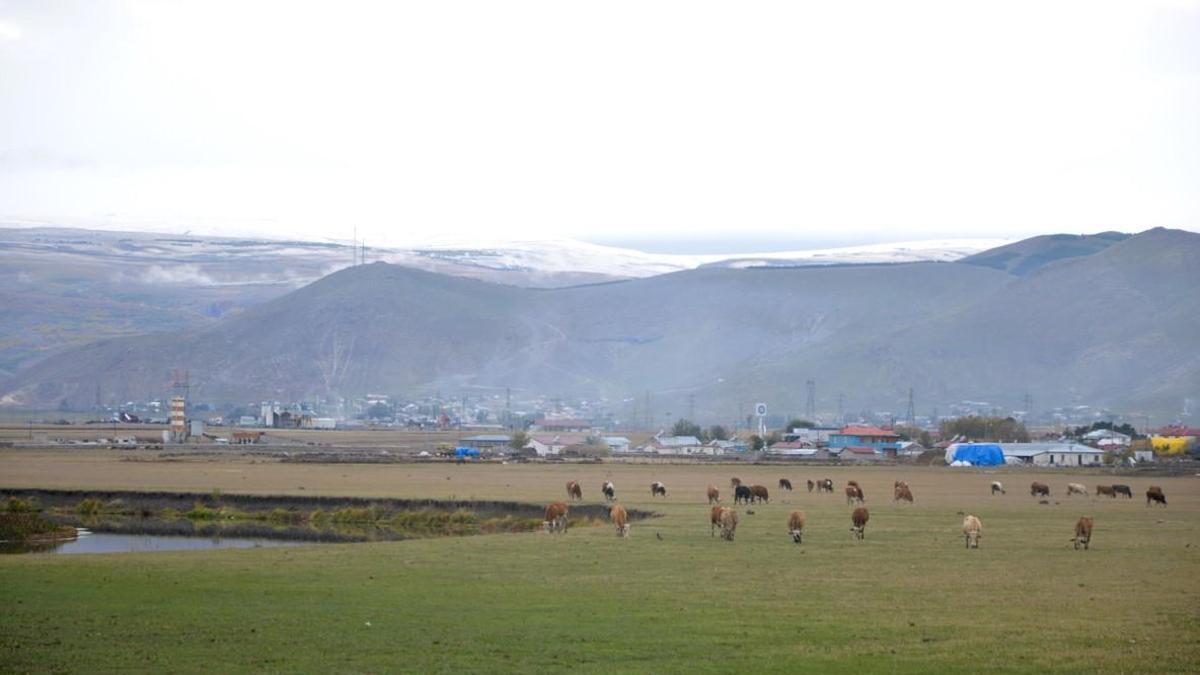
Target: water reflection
x: 89, y: 542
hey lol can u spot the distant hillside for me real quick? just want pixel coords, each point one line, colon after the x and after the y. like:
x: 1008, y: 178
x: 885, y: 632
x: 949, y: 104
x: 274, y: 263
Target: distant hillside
x: 1115, y: 328
x: 65, y: 287
x: 1029, y: 255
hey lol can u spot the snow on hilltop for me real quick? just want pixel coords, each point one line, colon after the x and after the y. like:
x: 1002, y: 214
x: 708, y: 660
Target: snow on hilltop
x: 568, y: 255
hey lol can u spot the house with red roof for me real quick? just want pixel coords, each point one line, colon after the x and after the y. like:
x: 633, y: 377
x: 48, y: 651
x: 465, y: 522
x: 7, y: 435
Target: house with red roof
x: 868, y: 437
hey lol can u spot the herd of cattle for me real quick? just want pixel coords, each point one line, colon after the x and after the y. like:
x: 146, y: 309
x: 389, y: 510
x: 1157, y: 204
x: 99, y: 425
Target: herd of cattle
x: 726, y: 519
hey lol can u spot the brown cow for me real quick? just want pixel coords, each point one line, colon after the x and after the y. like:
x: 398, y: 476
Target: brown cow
x: 556, y: 517
x: 734, y: 482
x: 903, y: 493
x: 854, y: 484
x: 714, y: 495
x: 811, y: 485
x: 657, y: 488
x: 1105, y: 490
x: 972, y: 531
x: 759, y: 493
x: 715, y: 519
x: 620, y: 519
x: 1083, y: 533
x: 785, y: 484
x: 573, y: 490
x: 729, y: 523
x: 825, y: 485
x: 1039, y: 489
x: 853, y: 494
x: 859, y: 519
x: 1155, y: 494
x: 796, y: 525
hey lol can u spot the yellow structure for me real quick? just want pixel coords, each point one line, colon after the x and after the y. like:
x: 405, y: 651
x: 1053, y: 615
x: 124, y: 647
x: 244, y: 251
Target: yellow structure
x: 1170, y: 445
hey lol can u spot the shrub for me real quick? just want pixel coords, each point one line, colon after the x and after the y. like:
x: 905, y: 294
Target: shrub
x: 18, y: 505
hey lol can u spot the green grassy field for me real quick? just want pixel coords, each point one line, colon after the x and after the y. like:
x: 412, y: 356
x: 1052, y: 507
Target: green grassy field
x: 909, y: 598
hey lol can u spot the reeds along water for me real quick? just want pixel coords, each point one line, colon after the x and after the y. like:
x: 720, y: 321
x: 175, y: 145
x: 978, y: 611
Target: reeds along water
x: 329, y: 519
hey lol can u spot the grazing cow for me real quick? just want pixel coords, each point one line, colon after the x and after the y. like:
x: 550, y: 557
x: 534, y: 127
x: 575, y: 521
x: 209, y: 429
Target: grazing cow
x: 1155, y: 495
x: 620, y: 519
x: 825, y: 485
x: 1083, y: 533
x: 796, y: 526
x: 899, y: 483
x: 657, y: 488
x: 742, y: 493
x: 556, y: 518
x: 853, y: 494
x: 729, y: 523
x: 859, y: 519
x: 997, y: 486
x: 1076, y: 489
x: 1039, y: 489
x: 972, y: 531
x: 573, y: 490
x: 1122, y: 490
x: 759, y: 493
x: 1102, y: 490
x: 785, y: 484
x: 734, y: 482
x: 610, y: 491
x: 715, y: 519
x: 903, y: 494
x: 811, y: 485
x: 714, y: 495
x: 854, y: 484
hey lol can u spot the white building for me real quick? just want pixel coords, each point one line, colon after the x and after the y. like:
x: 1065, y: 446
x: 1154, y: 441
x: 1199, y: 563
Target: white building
x: 1051, y: 454
x: 680, y: 445
x: 617, y: 443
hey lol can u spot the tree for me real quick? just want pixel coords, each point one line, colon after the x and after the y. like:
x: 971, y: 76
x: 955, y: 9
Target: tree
x: 915, y: 434
x: 978, y: 428
x: 756, y: 442
x: 685, y: 427
x: 380, y: 411
x: 519, y: 440
x: 718, y: 433
x: 798, y: 424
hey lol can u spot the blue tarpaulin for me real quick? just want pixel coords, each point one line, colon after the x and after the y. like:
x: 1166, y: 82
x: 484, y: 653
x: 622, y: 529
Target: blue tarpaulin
x: 976, y: 454
x: 466, y: 452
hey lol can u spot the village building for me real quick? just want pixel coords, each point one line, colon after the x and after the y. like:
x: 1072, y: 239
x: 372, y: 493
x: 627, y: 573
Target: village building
x: 486, y: 442
x: 662, y: 444
x: 1051, y: 454
x: 855, y: 436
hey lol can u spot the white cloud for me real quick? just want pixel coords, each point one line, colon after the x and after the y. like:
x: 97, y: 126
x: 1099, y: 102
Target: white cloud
x: 9, y: 31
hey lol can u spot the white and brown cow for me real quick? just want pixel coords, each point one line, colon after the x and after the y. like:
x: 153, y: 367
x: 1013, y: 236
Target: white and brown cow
x: 858, y: 521
x: 556, y: 517
x: 1083, y: 533
x: 574, y: 491
x: 658, y: 488
x: 997, y: 486
x: 972, y: 531
x: 1076, y: 489
x: 796, y: 526
x: 729, y: 523
x: 620, y: 519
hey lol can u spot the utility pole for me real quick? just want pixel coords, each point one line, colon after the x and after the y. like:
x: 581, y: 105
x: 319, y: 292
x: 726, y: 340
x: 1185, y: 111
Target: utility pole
x: 841, y: 409
x: 910, y: 415
x: 810, y: 405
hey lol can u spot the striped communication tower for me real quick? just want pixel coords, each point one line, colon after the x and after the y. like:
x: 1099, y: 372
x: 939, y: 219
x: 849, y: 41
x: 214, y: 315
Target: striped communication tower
x: 180, y: 384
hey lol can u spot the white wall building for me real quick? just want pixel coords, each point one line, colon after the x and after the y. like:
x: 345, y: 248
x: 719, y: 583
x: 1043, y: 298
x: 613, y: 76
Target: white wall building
x: 1051, y: 454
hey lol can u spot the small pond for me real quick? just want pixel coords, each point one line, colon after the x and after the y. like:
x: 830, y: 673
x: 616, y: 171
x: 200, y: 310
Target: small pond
x: 119, y: 521
x: 91, y: 542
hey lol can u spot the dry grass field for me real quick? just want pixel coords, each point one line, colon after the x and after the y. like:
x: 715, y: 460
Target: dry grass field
x: 671, y: 598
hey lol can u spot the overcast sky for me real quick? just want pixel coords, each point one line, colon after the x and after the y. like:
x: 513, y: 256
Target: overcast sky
x: 644, y: 123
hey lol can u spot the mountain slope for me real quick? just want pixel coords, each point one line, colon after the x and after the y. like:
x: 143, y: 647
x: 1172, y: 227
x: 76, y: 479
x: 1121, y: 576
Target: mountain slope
x: 1114, y: 328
